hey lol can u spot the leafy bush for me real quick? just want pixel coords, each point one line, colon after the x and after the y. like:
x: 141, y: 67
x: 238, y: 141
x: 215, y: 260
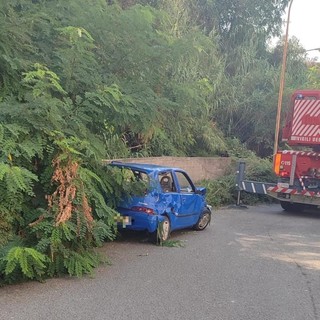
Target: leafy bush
x: 220, y: 191
x: 55, y: 195
x: 28, y: 261
x: 223, y: 191
x: 73, y: 93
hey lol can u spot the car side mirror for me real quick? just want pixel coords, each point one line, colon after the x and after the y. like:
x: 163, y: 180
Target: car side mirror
x: 201, y: 191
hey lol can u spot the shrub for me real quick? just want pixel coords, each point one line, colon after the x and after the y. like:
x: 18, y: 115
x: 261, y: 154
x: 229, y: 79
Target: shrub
x: 223, y: 191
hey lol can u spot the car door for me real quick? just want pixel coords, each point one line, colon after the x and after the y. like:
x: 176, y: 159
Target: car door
x: 190, y: 203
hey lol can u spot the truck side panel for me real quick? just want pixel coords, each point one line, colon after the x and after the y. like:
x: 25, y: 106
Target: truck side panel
x: 303, y: 120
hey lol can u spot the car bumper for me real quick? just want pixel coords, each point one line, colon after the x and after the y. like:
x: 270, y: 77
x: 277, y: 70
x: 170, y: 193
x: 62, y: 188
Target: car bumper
x: 138, y: 221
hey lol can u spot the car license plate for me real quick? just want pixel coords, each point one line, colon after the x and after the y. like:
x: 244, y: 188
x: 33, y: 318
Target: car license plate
x: 122, y: 220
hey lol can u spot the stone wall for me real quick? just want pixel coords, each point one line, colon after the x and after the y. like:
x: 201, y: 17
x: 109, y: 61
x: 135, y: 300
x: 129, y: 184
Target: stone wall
x: 198, y: 168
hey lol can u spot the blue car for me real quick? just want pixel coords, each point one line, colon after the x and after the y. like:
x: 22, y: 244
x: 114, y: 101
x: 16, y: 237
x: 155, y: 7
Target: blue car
x: 170, y: 202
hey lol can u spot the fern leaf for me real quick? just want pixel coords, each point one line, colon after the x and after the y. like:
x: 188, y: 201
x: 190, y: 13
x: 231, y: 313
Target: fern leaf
x: 28, y: 260
x: 66, y: 230
x: 55, y: 239
x: 17, y: 178
x: 4, y: 169
x: 36, y: 259
x: 1, y: 133
x: 23, y: 262
x: 20, y: 180
x: 11, y: 258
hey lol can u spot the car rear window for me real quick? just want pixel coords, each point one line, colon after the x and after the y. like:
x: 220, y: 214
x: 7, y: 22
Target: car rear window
x: 135, y: 181
x: 140, y: 175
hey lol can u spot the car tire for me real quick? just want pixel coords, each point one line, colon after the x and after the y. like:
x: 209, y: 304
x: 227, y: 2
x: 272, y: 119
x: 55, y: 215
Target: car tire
x: 203, y: 221
x: 162, y: 233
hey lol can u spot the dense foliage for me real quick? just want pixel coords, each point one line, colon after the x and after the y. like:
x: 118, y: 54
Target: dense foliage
x: 85, y: 80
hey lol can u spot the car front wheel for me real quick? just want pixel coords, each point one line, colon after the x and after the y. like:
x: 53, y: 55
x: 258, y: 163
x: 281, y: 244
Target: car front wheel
x: 204, y: 220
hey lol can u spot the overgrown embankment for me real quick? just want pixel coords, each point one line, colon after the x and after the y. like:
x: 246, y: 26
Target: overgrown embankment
x: 82, y: 81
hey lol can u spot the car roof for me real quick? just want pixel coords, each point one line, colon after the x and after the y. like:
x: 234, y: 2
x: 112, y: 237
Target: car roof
x: 147, y: 167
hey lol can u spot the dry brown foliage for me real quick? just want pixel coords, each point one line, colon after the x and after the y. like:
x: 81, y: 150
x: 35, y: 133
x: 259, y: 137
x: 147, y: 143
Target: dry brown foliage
x: 66, y: 192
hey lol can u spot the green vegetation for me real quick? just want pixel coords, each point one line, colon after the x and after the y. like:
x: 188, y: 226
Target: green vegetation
x: 82, y: 81
x: 222, y: 191
x: 173, y: 244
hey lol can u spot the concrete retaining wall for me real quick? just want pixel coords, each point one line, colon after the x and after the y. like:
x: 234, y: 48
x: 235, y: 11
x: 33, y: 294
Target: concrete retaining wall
x: 198, y: 168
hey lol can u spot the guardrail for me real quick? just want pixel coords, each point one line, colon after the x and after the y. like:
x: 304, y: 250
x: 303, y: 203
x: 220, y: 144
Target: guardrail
x: 247, y: 185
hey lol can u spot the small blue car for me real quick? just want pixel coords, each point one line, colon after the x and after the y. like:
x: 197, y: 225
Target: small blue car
x: 171, y: 201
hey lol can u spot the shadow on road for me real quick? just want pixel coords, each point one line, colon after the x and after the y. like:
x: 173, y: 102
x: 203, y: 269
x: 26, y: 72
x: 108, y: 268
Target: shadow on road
x: 310, y: 214
x: 277, y: 210
x: 142, y: 237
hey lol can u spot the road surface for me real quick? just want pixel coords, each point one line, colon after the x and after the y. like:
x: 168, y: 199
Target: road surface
x: 259, y: 263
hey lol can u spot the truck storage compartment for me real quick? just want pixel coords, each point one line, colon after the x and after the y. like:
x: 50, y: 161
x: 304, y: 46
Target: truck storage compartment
x: 303, y: 121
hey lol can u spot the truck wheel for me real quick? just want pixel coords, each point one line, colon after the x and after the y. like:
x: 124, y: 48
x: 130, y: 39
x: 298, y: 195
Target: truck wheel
x: 203, y: 221
x: 293, y: 207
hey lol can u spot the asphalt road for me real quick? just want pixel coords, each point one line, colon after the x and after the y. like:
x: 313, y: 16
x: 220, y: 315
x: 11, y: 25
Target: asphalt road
x: 259, y: 263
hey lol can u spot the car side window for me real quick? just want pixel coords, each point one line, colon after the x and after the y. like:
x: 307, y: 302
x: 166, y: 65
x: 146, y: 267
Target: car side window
x: 166, y: 182
x: 184, y: 182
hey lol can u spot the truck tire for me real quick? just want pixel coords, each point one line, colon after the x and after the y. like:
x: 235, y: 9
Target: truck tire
x: 293, y: 207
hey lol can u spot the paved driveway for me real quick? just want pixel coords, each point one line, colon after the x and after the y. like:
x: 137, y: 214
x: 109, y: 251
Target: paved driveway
x: 259, y: 263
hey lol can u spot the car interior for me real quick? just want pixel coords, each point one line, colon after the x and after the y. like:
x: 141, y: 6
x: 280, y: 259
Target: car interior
x: 166, y: 183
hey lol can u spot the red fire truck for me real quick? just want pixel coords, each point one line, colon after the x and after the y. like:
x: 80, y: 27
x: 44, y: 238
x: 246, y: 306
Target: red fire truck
x: 298, y: 167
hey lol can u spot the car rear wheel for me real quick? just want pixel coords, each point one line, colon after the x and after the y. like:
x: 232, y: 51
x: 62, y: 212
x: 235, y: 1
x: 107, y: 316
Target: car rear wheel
x: 163, y: 231
x: 204, y: 220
